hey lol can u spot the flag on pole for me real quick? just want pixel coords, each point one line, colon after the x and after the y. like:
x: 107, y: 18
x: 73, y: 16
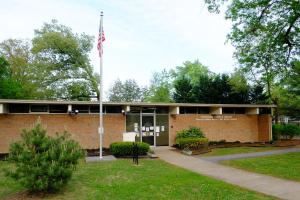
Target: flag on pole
x: 100, y: 43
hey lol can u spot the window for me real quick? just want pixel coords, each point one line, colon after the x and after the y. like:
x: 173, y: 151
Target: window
x: 18, y: 108
x: 135, y: 109
x: 264, y: 110
x: 188, y: 110
x: 162, y: 110
x: 113, y: 109
x: 233, y: 110
x: 39, y: 108
x: 228, y: 110
x: 81, y: 108
x: 148, y: 110
x: 58, y: 108
x: 203, y: 110
x: 94, y: 109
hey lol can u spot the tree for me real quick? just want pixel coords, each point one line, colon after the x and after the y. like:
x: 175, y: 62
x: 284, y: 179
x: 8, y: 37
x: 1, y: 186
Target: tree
x: 266, y: 36
x: 160, y: 89
x: 9, y: 88
x: 43, y: 163
x: 19, y: 57
x: 61, y: 59
x: 290, y: 101
x: 129, y: 91
x: 54, y: 65
x: 183, y: 91
x: 257, y: 95
x: 190, y: 70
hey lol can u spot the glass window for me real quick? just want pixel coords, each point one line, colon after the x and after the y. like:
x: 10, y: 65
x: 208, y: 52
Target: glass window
x: 81, y: 108
x: 240, y: 110
x: 228, y: 110
x: 113, y: 109
x: 162, y: 126
x: 133, y: 123
x: 188, y: 110
x: 203, y: 110
x: 264, y: 110
x: 94, y: 109
x: 162, y: 110
x: 58, y: 108
x: 39, y: 108
x: 233, y: 110
x: 148, y: 110
x: 135, y: 109
x: 18, y: 108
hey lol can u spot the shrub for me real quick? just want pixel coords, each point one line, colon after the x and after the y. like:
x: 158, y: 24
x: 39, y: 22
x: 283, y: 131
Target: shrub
x: 43, y: 163
x: 192, y: 132
x: 125, y: 148
x: 287, y: 130
x: 191, y: 143
x: 277, y: 131
x: 290, y: 131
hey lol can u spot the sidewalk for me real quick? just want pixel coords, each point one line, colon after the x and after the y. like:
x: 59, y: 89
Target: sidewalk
x: 280, y: 188
x: 247, y: 155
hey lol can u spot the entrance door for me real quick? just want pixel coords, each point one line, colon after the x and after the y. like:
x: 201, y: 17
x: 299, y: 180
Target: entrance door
x: 148, y: 129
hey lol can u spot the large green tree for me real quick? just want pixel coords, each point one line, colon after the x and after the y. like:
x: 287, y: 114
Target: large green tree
x: 266, y: 37
x: 127, y: 91
x: 9, y: 87
x: 160, y: 89
x: 54, y: 65
x: 190, y: 70
x: 62, y: 62
x: 18, y: 55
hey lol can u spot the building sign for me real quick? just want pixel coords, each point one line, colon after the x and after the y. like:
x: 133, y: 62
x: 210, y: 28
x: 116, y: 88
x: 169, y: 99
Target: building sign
x: 216, y: 118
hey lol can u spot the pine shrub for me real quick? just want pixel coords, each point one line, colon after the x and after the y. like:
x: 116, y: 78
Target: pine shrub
x: 43, y: 163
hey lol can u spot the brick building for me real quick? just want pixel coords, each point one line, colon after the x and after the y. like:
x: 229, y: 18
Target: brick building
x: 154, y: 123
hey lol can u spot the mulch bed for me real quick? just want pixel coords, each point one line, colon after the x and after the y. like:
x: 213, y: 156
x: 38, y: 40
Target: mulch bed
x: 279, y: 143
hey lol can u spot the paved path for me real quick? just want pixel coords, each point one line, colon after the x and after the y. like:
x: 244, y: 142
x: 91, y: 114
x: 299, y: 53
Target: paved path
x: 248, y: 155
x: 283, y: 189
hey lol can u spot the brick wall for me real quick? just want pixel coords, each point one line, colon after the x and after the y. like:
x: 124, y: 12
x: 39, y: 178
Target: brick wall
x: 83, y: 128
x: 264, y: 128
x: 243, y: 128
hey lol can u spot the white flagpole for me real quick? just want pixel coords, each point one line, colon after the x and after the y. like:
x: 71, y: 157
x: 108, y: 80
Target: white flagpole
x: 101, y: 129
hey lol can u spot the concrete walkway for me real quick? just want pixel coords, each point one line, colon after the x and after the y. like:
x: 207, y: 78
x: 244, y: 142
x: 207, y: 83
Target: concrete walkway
x: 248, y: 155
x: 272, y: 186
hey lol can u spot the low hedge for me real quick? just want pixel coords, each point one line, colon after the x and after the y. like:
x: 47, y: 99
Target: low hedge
x: 125, y: 148
x: 192, y: 143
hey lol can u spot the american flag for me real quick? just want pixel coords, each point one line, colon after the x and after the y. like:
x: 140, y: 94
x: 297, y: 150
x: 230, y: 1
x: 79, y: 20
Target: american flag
x: 100, y: 43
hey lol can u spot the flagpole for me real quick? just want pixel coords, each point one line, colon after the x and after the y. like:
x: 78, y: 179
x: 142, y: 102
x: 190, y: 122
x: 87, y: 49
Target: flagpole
x: 101, y: 129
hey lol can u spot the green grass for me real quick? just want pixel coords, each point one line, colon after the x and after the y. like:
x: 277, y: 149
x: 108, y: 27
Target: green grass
x: 237, y: 150
x: 152, y: 179
x: 7, y: 185
x: 285, y: 166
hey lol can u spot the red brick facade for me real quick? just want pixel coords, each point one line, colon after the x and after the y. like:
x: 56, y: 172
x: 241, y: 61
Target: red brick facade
x: 243, y: 128
x: 84, y: 127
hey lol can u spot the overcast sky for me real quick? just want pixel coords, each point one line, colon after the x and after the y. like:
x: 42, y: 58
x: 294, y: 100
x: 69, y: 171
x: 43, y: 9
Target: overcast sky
x: 142, y: 36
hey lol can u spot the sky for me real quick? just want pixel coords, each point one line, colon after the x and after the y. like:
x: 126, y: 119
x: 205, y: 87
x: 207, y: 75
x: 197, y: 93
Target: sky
x: 142, y: 36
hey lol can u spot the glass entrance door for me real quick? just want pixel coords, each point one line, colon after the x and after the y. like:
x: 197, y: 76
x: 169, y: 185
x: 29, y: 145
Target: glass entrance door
x: 148, y: 129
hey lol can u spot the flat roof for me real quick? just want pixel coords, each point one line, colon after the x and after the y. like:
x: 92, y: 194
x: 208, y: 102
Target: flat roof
x: 146, y: 104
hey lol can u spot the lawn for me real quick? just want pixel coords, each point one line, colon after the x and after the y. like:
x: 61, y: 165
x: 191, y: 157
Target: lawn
x: 152, y: 179
x: 237, y: 150
x: 285, y: 166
